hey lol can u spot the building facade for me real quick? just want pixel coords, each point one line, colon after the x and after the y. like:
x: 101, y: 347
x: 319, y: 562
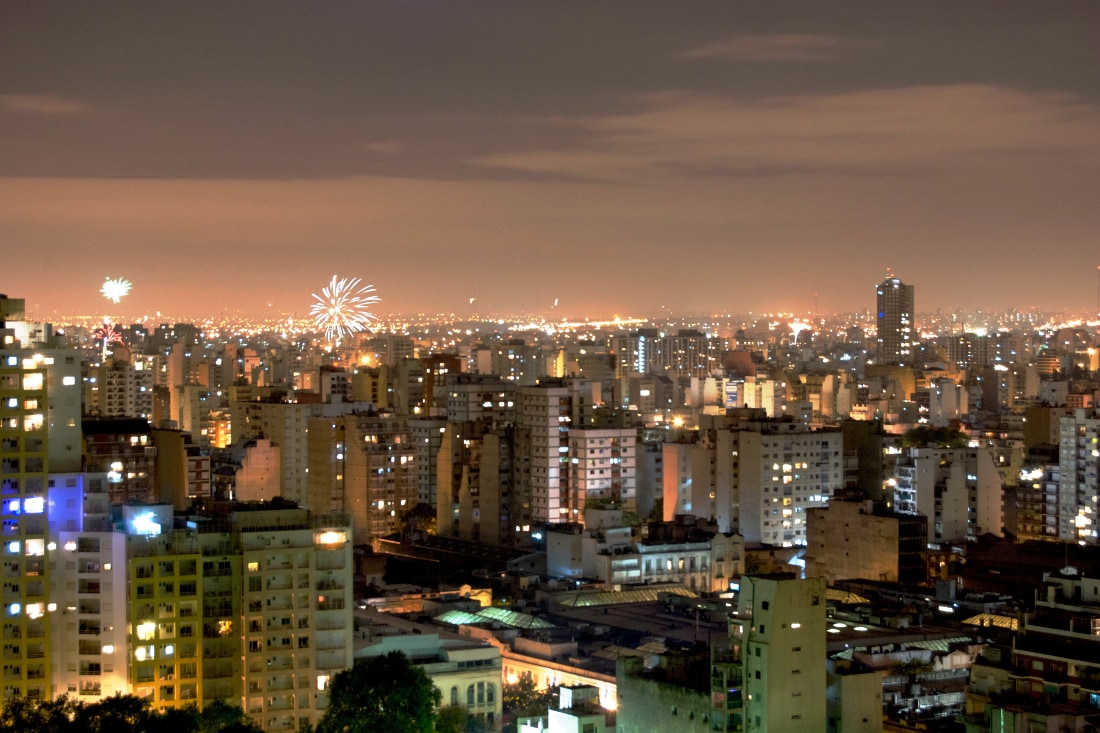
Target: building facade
x: 897, y: 334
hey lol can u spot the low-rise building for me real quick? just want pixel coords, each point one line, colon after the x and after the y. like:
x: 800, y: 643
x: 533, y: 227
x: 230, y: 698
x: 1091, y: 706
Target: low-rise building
x: 466, y: 671
x: 1049, y: 679
x: 687, y: 551
x: 578, y: 711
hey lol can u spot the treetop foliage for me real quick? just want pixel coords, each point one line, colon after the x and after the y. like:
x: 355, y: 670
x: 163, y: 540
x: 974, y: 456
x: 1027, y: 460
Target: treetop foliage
x: 386, y: 693
x: 119, y: 714
x: 921, y: 437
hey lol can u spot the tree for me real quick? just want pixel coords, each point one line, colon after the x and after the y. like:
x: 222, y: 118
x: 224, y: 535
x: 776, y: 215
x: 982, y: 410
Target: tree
x: 523, y: 698
x: 116, y: 714
x: 387, y: 693
x: 221, y: 717
x: 119, y: 714
x: 657, y: 513
x: 946, y: 437
x: 457, y: 719
x: 42, y: 716
x: 420, y: 518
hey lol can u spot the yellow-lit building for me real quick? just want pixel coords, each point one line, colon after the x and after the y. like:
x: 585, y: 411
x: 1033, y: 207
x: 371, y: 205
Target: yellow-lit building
x: 252, y: 609
x: 39, y: 433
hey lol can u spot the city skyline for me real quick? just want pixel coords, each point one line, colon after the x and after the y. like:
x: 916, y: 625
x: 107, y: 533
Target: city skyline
x: 588, y: 160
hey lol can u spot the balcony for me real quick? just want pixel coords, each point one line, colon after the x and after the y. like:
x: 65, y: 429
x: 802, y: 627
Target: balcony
x: 330, y: 604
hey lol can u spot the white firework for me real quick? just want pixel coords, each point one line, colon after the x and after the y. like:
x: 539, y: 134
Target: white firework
x: 115, y: 288
x: 343, y: 308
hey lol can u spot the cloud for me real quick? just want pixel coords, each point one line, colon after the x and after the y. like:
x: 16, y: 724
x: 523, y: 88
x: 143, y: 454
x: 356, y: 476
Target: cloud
x: 385, y: 147
x: 782, y: 47
x: 41, y: 104
x: 912, y: 129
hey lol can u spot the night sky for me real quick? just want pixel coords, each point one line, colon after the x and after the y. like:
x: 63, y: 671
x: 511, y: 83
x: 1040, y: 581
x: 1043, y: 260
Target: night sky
x: 629, y: 158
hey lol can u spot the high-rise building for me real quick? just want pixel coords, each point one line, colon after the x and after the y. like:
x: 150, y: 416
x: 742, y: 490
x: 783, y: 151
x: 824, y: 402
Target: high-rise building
x: 122, y: 448
x: 602, y: 467
x: 543, y: 419
x: 474, y: 483
x: 897, y: 335
x: 769, y: 473
x: 87, y: 607
x: 120, y: 388
x: 471, y: 458
x: 648, y: 351
x: 286, y: 425
x: 380, y: 477
x: 252, y: 609
x: 39, y: 434
x: 958, y: 489
x: 780, y: 629
x: 427, y: 436
x: 1079, y: 467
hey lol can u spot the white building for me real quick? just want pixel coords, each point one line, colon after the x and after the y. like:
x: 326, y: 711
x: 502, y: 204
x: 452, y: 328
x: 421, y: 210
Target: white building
x: 769, y: 473
x: 602, y: 465
x: 1079, y: 466
x: 543, y: 420
x: 578, y: 711
x: 947, y: 401
x: 88, y: 595
x: 958, y: 489
x: 780, y: 629
x: 466, y: 672
x: 677, y: 552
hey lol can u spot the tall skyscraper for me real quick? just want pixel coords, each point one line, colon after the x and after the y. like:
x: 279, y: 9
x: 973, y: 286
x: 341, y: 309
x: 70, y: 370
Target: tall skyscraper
x: 896, y: 334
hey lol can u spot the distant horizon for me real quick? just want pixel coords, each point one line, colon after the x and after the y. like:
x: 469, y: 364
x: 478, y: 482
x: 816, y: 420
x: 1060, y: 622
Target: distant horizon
x: 508, y: 320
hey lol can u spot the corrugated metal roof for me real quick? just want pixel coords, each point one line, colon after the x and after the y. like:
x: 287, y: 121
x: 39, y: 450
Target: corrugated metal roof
x: 585, y: 599
x: 843, y: 596
x: 515, y: 619
x: 939, y: 645
x: 993, y: 619
x: 457, y: 618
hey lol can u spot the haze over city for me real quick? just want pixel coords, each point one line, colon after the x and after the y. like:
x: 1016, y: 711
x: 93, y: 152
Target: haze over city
x: 613, y: 158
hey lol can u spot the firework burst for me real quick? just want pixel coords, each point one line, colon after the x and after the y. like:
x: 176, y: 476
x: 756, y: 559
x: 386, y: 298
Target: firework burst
x: 343, y: 308
x: 107, y: 335
x: 115, y: 289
